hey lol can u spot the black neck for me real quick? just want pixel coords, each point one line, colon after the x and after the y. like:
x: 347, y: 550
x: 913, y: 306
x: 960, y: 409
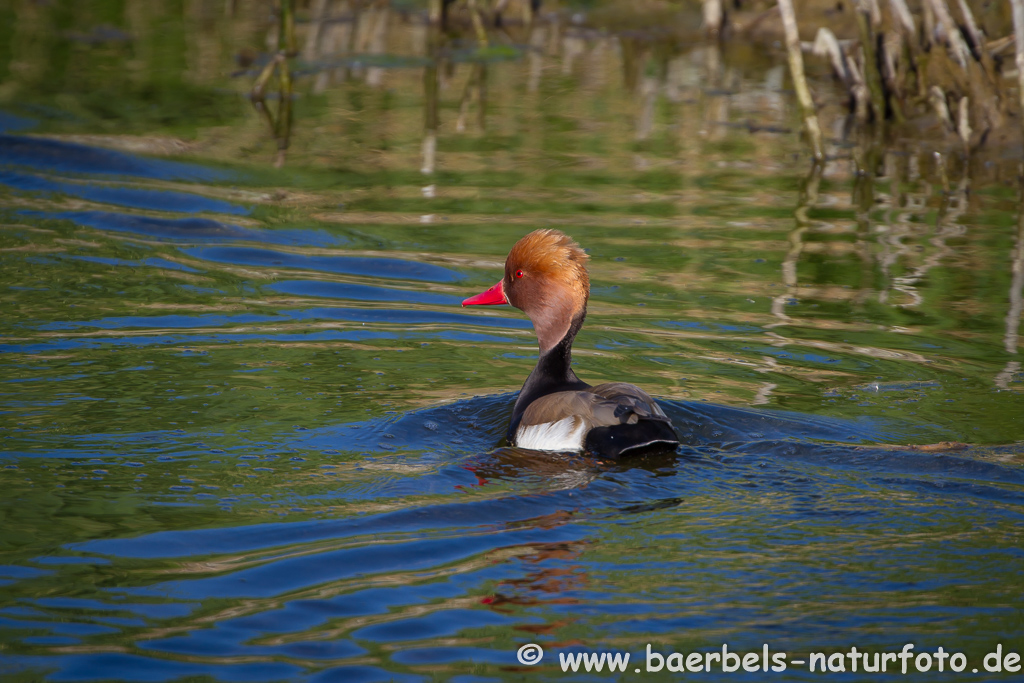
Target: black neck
x: 553, y: 373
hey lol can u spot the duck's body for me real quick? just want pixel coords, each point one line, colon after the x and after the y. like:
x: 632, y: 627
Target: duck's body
x: 546, y: 278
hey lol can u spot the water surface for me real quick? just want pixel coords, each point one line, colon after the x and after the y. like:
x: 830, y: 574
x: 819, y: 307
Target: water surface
x: 250, y: 434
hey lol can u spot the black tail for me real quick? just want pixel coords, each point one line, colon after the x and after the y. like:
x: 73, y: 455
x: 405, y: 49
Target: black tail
x: 627, y: 439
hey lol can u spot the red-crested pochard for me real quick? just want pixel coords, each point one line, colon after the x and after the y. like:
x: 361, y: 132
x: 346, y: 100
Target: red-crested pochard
x: 546, y: 278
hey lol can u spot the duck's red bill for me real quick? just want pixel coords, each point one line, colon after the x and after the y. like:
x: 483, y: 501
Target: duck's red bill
x: 493, y: 296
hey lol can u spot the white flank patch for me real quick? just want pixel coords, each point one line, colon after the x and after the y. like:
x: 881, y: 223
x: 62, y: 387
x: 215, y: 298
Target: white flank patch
x: 564, y: 435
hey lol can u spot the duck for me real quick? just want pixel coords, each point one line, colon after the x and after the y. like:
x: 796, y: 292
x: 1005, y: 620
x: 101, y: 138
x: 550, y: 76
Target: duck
x: 546, y: 278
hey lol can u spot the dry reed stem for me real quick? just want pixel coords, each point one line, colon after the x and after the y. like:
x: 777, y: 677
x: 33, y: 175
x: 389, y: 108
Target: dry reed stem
x: 906, y: 19
x: 1018, y: 31
x: 952, y: 32
x: 714, y: 17
x: 872, y: 77
x: 796, y: 69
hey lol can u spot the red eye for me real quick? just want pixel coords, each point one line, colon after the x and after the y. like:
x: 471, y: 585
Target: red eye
x: 519, y: 273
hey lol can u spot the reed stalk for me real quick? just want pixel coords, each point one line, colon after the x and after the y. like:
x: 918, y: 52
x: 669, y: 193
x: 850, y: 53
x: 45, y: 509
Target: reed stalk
x: 872, y: 77
x: 796, y: 70
x: 956, y: 42
x: 1018, y: 31
x: 431, y: 120
x: 281, y: 124
x: 714, y: 17
x: 1013, y: 316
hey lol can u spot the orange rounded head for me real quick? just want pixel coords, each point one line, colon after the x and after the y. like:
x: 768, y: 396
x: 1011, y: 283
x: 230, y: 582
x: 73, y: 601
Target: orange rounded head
x: 546, y: 278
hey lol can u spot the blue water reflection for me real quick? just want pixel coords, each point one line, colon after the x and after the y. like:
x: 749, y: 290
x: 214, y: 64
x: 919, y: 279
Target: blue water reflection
x: 343, y: 290
x: 188, y: 229
x: 347, y: 265
x: 134, y: 198
x: 71, y: 158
